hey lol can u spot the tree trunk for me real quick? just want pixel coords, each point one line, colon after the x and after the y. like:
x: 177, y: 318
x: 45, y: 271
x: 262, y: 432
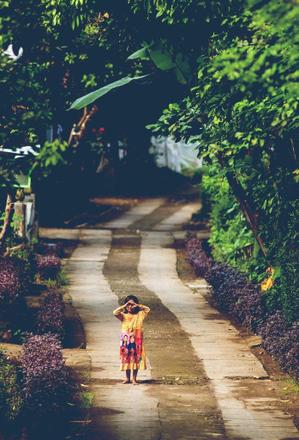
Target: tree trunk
x: 250, y: 217
x: 7, y: 217
x: 242, y: 198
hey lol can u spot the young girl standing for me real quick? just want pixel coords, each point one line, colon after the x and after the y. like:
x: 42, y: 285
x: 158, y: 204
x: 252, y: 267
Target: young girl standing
x: 132, y: 354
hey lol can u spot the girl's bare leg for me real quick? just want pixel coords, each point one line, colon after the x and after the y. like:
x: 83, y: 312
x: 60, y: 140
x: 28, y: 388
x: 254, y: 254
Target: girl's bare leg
x: 128, y: 377
x: 135, y: 372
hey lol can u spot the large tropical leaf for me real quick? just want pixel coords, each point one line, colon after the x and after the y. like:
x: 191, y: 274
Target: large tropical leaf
x: 182, y: 70
x: 96, y: 94
x: 164, y: 59
x: 141, y: 54
x: 161, y: 58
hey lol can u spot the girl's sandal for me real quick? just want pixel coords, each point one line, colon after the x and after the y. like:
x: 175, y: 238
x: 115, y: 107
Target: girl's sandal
x: 126, y: 381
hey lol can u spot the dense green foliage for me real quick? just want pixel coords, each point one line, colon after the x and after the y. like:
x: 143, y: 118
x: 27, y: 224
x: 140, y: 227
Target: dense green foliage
x: 71, y: 48
x: 11, y: 401
x: 25, y: 106
x: 65, y: 53
x: 231, y: 239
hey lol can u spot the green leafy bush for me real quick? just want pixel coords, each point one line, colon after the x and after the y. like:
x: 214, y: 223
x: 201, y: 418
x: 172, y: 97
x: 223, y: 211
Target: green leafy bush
x: 231, y: 239
x: 233, y: 242
x: 11, y: 402
x: 26, y: 255
x: 50, y: 156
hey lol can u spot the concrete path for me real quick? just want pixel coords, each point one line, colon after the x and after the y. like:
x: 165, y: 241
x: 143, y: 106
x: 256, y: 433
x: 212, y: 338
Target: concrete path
x: 152, y: 214
x: 204, y: 383
x: 178, y: 218
x: 134, y: 214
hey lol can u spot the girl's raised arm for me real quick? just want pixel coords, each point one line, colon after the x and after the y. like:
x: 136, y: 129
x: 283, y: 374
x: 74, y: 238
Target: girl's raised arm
x: 145, y: 309
x: 118, y: 313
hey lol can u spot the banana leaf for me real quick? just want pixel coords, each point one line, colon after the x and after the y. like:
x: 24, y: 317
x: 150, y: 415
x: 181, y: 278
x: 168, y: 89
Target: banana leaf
x: 96, y: 94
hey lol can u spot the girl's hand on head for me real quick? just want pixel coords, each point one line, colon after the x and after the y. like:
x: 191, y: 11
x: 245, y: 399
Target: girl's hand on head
x: 129, y: 303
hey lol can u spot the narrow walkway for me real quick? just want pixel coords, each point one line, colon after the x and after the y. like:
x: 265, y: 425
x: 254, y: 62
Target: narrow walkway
x: 134, y: 214
x: 204, y: 383
x: 175, y: 221
x: 187, y: 406
x: 113, y: 417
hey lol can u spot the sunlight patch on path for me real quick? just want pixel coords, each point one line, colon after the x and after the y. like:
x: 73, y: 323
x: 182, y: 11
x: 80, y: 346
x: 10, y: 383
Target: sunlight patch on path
x: 59, y: 233
x: 134, y: 214
x: 94, y: 301
x: 175, y: 221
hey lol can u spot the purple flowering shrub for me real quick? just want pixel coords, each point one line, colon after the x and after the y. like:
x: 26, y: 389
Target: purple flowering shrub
x: 240, y: 299
x: 50, y: 318
x: 47, y: 266
x: 235, y: 295
x: 197, y: 257
x: 11, y: 282
x: 47, y: 385
x: 232, y: 292
x: 273, y: 328
x: 282, y: 341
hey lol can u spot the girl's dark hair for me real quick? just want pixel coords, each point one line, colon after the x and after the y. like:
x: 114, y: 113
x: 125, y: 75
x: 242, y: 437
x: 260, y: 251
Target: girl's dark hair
x: 135, y: 299
x: 131, y: 297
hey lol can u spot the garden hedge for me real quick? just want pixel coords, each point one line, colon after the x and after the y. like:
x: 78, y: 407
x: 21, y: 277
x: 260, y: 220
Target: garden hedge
x: 242, y: 300
x: 47, y: 386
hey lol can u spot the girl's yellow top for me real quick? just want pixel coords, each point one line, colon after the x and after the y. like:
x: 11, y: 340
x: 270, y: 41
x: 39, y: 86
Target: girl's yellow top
x: 132, y: 321
x: 132, y: 353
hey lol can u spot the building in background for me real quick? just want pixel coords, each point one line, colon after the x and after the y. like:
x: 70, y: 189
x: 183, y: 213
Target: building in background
x: 180, y: 157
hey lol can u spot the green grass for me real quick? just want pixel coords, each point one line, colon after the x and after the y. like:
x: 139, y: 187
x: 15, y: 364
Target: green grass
x: 86, y: 398
x: 290, y: 386
x: 62, y: 278
x: 60, y: 281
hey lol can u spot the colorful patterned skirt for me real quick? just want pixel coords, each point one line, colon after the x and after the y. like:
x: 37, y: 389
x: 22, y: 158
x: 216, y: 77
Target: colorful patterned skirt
x: 132, y: 354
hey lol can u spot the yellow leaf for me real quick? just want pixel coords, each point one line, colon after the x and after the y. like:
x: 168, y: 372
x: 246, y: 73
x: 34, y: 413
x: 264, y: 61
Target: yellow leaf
x: 268, y: 282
